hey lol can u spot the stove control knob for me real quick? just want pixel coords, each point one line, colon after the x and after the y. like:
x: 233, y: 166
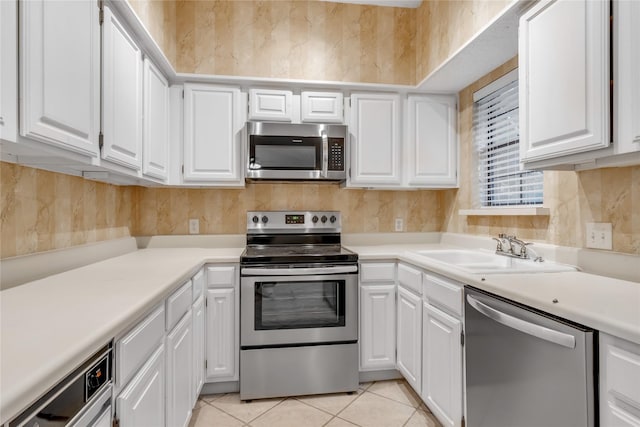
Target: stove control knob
x: 265, y: 219
x: 255, y: 219
x: 323, y: 219
x: 333, y: 219
x: 314, y: 219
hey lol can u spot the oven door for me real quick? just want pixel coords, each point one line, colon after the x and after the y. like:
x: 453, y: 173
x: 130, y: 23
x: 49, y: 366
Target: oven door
x: 298, y: 308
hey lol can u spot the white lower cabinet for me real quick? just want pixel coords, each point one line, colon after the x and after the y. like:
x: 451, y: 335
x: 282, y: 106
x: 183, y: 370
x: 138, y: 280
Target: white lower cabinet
x: 142, y: 402
x: 198, y: 348
x: 378, y: 326
x: 619, y: 379
x: 222, y: 325
x: 409, y: 358
x: 442, y: 365
x: 179, y: 373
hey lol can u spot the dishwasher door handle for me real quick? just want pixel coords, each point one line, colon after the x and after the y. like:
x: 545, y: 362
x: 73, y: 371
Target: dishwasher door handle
x: 539, y: 331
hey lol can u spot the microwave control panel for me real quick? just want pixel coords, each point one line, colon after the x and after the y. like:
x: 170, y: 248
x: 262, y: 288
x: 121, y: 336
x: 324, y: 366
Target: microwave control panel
x: 336, y: 154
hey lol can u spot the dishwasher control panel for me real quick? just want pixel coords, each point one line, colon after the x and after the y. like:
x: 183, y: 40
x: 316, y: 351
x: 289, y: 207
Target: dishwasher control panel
x: 97, y: 376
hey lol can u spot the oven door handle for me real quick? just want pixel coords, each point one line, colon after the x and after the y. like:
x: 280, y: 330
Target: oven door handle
x: 257, y: 271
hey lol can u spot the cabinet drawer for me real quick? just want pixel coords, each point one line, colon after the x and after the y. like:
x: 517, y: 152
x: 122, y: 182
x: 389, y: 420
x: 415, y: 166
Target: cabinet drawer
x: 198, y: 284
x: 410, y: 278
x: 178, y: 304
x: 443, y: 293
x: 221, y: 277
x: 378, y: 272
x: 136, y: 346
x: 622, y: 376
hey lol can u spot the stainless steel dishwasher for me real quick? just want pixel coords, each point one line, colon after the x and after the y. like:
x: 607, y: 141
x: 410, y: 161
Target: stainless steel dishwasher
x: 526, y: 368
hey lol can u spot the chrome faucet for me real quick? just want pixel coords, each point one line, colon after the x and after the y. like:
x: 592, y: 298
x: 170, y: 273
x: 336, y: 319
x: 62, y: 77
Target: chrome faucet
x: 522, y: 253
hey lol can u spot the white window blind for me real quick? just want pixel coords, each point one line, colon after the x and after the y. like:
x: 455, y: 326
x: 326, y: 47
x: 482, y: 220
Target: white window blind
x: 500, y: 181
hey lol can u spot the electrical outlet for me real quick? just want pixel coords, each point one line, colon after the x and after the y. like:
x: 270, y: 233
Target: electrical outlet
x: 399, y: 224
x: 599, y: 235
x: 194, y: 226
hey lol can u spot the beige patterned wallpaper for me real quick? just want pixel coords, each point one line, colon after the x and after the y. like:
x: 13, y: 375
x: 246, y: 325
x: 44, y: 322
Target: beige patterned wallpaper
x: 311, y: 39
x: 43, y: 210
x: 167, y: 211
x: 159, y: 16
x: 443, y: 27
x: 296, y: 39
x: 602, y: 195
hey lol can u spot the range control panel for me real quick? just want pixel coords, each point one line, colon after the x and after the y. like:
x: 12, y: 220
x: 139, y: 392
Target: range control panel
x: 294, y: 221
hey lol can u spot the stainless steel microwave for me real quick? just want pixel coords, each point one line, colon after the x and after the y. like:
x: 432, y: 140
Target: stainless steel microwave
x: 285, y: 151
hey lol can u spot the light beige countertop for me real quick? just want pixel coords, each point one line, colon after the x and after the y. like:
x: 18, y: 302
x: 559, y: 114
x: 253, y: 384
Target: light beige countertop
x: 603, y: 303
x: 49, y: 326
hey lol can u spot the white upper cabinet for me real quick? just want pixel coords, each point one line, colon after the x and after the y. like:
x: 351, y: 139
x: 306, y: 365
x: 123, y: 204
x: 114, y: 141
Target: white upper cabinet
x: 322, y: 107
x: 431, y: 141
x: 155, y: 135
x: 121, y: 95
x: 213, y: 126
x: 375, y: 128
x: 626, y: 76
x: 271, y: 105
x: 8, y: 71
x: 60, y: 73
x: 564, y: 78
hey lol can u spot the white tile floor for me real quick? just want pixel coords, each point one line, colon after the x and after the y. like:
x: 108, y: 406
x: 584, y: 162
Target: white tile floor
x: 384, y: 404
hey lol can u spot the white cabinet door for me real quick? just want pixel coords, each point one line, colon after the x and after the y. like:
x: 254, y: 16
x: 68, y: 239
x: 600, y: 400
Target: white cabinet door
x: 213, y: 123
x: 432, y: 142
x: 409, y: 345
x: 378, y: 326
x: 155, y: 135
x: 198, y: 348
x: 222, y: 342
x: 322, y: 107
x: 121, y: 95
x: 180, y: 373
x: 442, y: 365
x: 8, y: 71
x: 142, y: 402
x: 271, y: 105
x: 563, y: 102
x: 60, y: 73
x: 619, y: 379
x: 375, y: 140
x: 627, y: 76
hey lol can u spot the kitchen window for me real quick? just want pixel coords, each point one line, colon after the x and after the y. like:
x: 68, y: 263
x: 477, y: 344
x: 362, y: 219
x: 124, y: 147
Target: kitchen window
x: 500, y: 181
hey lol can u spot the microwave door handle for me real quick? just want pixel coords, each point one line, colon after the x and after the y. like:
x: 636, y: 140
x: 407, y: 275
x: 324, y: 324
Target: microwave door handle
x: 325, y: 154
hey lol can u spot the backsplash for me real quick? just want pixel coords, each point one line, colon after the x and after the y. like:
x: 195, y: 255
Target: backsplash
x: 574, y: 198
x: 313, y: 40
x: 223, y: 211
x: 44, y: 210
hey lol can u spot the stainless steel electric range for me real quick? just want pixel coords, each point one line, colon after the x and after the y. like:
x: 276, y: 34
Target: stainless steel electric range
x: 298, y: 306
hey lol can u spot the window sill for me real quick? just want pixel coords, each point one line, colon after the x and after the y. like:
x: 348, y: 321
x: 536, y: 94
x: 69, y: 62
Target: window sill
x: 515, y: 211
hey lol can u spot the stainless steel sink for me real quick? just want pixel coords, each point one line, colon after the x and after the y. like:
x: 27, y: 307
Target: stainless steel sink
x: 482, y: 261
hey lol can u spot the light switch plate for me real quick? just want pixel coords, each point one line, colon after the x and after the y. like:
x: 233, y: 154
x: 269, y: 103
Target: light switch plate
x: 399, y: 224
x: 194, y: 226
x: 599, y: 235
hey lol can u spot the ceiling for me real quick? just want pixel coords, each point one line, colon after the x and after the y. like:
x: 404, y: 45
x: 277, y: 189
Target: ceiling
x: 394, y: 3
